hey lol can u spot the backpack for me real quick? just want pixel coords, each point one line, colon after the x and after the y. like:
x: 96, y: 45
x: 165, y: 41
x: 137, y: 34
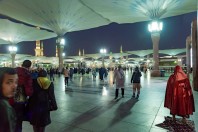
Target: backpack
x: 20, y: 96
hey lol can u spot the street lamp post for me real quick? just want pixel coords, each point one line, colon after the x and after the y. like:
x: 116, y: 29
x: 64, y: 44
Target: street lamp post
x: 60, y: 44
x: 13, y: 50
x: 63, y: 56
x: 155, y: 27
x: 103, y: 52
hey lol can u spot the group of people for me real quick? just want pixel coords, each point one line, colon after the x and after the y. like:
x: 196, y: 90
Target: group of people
x: 178, y: 97
x: 19, y: 91
x: 119, y: 79
x: 23, y: 98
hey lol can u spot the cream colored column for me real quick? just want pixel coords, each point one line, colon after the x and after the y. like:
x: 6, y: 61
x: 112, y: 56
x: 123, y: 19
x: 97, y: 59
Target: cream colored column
x: 60, y: 48
x: 188, y: 58
x: 155, y: 39
x: 179, y: 61
x: 103, y: 65
x: 13, y: 59
x: 194, y: 54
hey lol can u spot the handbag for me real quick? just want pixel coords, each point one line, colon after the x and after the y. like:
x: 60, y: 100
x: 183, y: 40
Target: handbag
x: 20, y: 96
x: 51, y: 103
x: 52, y: 106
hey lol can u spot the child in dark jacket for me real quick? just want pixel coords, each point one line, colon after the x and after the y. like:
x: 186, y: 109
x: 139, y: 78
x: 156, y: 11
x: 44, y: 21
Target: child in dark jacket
x: 135, y: 80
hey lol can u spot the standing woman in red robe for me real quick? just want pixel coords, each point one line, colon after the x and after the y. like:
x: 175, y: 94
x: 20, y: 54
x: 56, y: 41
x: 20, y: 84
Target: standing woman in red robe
x: 179, y: 97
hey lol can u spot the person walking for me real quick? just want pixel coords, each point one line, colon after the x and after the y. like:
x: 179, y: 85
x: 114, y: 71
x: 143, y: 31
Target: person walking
x: 51, y: 72
x: 66, y: 74
x: 179, y: 96
x: 101, y: 73
x: 8, y: 85
x: 71, y: 72
x: 135, y: 80
x: 119, y: 79
x: 39, y: 107
x: 94, y: 73
x: 23, y: 92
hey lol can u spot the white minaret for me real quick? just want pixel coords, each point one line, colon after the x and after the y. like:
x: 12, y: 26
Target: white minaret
x: 79, y: 52
x: 56, y: 51
x: 38, y: 48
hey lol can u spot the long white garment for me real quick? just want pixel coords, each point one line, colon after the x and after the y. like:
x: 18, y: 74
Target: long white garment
x: 119, y: 78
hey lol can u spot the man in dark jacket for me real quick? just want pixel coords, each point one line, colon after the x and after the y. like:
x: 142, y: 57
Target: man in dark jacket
x: 8, y: 85
x: 24, y: 91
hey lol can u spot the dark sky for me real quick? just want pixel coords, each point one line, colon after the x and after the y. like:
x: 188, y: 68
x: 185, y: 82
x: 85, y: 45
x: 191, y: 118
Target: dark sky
x: 131, y: 36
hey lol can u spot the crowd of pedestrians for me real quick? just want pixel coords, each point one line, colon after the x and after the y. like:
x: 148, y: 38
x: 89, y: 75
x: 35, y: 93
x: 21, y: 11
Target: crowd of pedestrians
x: 25, y: 96
x: 29, y: 95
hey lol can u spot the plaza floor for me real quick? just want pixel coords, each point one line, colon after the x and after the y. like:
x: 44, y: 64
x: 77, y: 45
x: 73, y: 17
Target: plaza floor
x: 88, y: 105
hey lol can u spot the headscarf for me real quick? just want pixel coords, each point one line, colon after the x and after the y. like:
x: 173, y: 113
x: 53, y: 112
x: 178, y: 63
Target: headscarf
x: 42, y: 79
x: 120, y: 72
x: 136, y: 69
x: 179, y: 73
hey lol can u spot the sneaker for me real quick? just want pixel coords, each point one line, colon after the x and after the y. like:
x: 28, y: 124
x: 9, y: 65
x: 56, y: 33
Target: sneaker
x: 133, y: 96
x: 115, y: 98
x: 137, y: 96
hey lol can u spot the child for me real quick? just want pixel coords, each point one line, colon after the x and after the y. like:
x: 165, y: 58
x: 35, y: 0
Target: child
x: 8, y: 85
x: 135, y: 80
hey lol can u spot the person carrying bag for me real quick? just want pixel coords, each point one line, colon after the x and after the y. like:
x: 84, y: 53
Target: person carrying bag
x: 42, y: 102
x: 24, y: 90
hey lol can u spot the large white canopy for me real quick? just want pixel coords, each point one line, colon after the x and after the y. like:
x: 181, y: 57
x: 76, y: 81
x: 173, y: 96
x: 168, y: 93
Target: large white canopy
x: 142, y: 53
x: 63, y: 16
x: 130, y: 11
x: 172, y: 52
x: 7, y: 57
x: 3, y: 41
x: 14, y: 33
x: 118, y: 55
x: 42, y: 59
x: 60, y: 16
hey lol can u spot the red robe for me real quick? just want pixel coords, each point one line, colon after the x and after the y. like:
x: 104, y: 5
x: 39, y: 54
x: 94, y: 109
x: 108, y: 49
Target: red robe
x: 179, y: 97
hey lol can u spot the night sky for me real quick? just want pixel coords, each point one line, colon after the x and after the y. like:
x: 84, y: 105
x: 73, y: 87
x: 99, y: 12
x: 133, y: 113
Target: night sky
x: 131, y: 36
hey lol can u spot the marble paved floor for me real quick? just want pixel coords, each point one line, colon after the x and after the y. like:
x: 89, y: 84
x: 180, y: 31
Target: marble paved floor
x: 88, y: 105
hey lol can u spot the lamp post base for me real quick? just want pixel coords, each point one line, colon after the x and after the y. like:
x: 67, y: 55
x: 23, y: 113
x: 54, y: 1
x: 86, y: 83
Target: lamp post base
x: 155, y: 73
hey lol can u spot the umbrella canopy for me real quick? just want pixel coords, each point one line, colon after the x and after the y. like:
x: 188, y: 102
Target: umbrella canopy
x: 63, y: 16
x: 140, y: 53
x: 172, y: 52
x: 60, y: 16
x: 118, y: 55
x: 131, y: 11
x: 21, y: 57
x: 14, y: 33
x: 3, y: 41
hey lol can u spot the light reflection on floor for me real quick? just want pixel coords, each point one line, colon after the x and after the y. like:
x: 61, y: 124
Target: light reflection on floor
x: 88, y: 105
